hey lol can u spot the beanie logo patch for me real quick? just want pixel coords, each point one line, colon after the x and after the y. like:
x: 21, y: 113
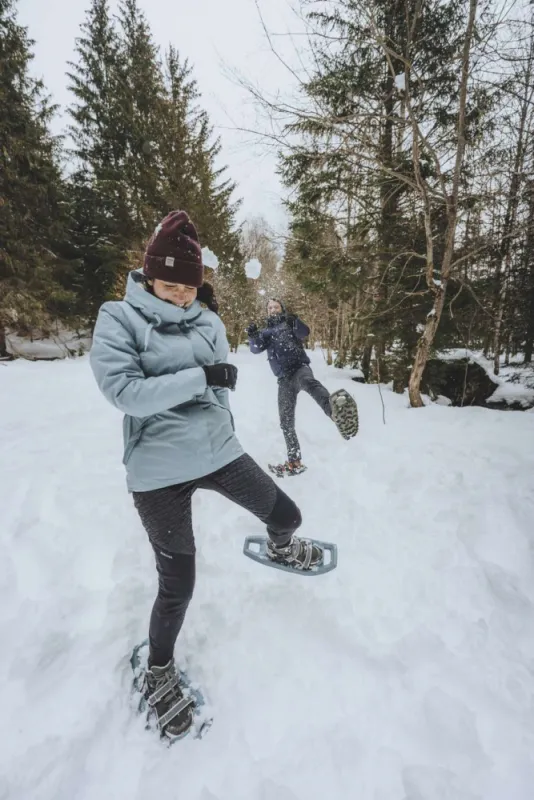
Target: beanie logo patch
x: 169, y: 261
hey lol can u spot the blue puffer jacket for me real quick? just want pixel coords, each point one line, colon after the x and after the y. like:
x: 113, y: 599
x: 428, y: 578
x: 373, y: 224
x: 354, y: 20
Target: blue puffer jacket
x: 147, y: 357
x: 282, y: 340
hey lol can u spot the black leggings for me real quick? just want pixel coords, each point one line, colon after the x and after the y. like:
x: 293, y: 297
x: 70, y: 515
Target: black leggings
x: 166, y: 517
x: 288, y: 390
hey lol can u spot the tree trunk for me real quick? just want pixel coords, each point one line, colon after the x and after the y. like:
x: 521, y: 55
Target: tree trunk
x: 503, y: 275
x: 507, y: 354
x: 439, y: 289
x: 529, y: 346
x: 501, y: 304
x: 338, y: 326
x: 380, y: 349
x: 423, y: 348
x: 529, y: 266
x: 3, y: 342
x: 486, y: 347
x: 366, y: 361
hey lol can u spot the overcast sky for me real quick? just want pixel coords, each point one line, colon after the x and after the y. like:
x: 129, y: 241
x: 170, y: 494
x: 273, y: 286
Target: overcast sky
x: 216, y: 35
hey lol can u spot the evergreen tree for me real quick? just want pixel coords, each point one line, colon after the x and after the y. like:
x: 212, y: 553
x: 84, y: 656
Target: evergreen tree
x: 191, y: 177
x: 34, y: 274
x: 192, y: 180
x: 180, y: 187
x: 216, y: 211
x: 143, y: 148
x: 104, y: 229
x: 141, y: 99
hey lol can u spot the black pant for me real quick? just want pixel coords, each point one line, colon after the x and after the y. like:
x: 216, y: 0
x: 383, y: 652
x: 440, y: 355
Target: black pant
x: 288, y: 389
x: 166, y: 517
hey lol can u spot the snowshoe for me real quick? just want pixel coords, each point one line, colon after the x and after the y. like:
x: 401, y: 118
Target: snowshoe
x: 171, y: 702
x: 344, y: 413
x: 287, y: 469
x: 303, y: 556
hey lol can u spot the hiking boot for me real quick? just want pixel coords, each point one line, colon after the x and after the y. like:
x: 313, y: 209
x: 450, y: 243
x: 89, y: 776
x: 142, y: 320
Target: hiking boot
x: 162, y: 691
x: 298, y: 554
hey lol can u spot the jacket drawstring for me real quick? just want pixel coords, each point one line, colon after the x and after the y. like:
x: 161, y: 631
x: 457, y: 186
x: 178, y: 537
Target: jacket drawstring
x: 150, y: 328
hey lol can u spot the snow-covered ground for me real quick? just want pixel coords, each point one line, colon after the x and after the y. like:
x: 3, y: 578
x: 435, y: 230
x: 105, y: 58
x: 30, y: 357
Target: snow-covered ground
x: 406, y: 674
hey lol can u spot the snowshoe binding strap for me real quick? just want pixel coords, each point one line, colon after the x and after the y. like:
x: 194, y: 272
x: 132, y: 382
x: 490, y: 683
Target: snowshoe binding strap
x: 299, y: 553
x: 165, y: 689
x: 174, y: 712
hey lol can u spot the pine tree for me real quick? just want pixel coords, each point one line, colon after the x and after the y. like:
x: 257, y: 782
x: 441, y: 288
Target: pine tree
x: 104, y: 228
x: 180, y: 186
x: 192, y: 180
x: 143, y: 147
x: 191, y: 177
x: 142, y: 95
x: 34, y: 273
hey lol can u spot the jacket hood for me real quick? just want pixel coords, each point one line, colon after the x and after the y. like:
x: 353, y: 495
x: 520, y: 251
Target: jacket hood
x: 277, y: 300
x: 276, y: 319
x: 156, y: 310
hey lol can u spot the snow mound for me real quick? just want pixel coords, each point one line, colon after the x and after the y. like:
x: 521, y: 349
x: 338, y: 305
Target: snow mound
x: 514, y: 385
x: 511, y: 394
x: 63, y: 344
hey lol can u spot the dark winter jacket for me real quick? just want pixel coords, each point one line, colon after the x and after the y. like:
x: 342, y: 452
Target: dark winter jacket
x: 283, y: 341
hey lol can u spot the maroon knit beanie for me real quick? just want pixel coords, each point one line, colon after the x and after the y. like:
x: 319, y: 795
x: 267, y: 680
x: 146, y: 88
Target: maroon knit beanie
x: 173, y: 253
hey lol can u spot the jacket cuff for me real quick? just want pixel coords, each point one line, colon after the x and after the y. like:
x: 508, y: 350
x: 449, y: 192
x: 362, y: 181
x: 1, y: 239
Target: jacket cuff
x: 201, y: 379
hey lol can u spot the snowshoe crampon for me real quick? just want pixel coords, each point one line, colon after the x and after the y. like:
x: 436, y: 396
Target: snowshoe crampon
x: 257, y: 548
x: 202, y: 718
x: 287, y: 469
x: 345, y: 413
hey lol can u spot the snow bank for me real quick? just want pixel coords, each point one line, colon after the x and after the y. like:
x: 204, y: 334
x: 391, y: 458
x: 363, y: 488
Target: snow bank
x: 406, y: 674
x: 514, y: 385
x: 476, y: 357
x: 62, y: 345
x: 513, y: 393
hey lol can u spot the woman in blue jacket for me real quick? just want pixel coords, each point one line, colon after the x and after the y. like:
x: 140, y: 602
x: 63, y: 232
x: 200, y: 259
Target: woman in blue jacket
x: 283, y: 340
x: 161, y: 358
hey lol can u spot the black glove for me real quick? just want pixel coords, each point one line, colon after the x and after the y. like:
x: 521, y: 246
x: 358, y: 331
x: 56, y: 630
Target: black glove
x: 252, y: 329
x: 291, y: 320
x: 222, y: 375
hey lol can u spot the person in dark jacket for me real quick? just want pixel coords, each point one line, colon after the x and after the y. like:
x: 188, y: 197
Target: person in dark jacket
x: 161, y: 358
x: 283, y: 340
